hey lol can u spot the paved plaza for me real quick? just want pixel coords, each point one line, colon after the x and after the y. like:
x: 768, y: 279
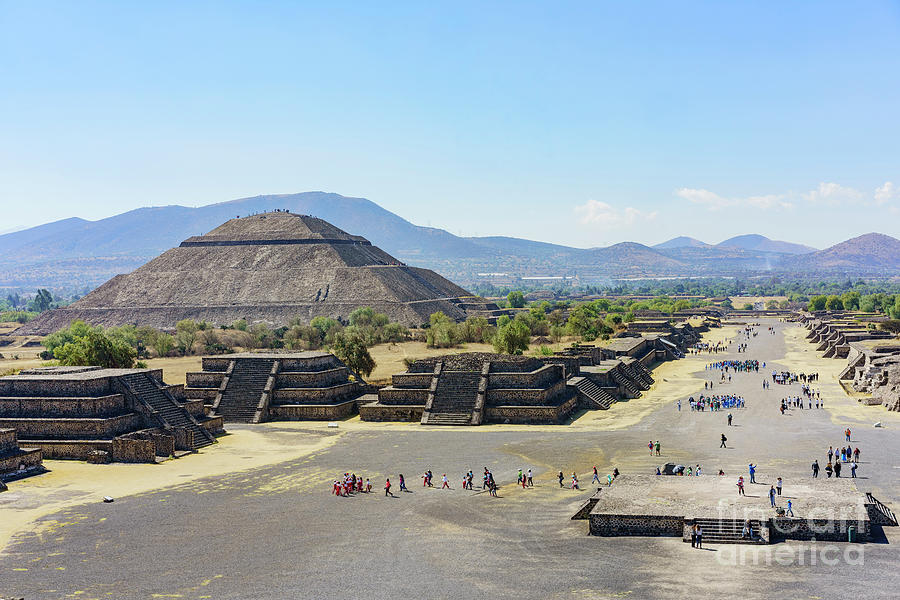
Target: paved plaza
x: 275, y: 531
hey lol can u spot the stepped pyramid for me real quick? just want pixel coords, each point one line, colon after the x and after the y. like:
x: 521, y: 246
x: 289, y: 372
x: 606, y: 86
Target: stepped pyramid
x: 269, y: 267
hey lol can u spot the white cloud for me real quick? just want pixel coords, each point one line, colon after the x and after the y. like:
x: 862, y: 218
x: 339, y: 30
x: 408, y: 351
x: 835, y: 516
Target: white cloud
x: 886, y: 193
x: 594, y: 212
x: 716, y: 202
x: 833, y: 193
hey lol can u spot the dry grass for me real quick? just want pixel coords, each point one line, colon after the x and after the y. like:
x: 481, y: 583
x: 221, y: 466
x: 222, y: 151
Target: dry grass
x: 15, y: 355
x: 174, y: 368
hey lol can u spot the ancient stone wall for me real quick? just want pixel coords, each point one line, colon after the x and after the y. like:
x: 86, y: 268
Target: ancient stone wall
x: 318, y: 412
x: 315, y: 395
x: 373, y: 411
x: 787, y: 528
x: 636, y: 525
x: 63, y: 407
x: 530, y: 414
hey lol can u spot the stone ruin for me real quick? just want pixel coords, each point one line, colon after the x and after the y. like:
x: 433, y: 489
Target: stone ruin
x: 97, y: 414
x: 833, y: 336
x: 255, y: 387
x: 875, y: 369
x: 270, y: 267
x: 473, y: 388
x: 16, y: 462
x: 873, y: 356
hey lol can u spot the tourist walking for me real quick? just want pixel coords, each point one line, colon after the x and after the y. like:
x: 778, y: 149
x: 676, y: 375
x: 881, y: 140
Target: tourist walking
x: 650, y: 445
x: 699, y: 537
x: 530, y: 479
x: 772, y: 496
x: 815, y: 468
x: 387, y: 488
x: 561, y: 478
x: 740, y: 486
x: 694, y: 536
x: 575, y: 481
x: 724, y: 439
x: 829, y: 470
x: 752, y: 469
x: 837, y: 469
x: 657, y: 447
x: 445, y: 483
x: 403, y: 484
x: 596, y: 476
x: 778, y: 484
x: 853, y: 470
x: 729, y: 419
x: 790, y: 509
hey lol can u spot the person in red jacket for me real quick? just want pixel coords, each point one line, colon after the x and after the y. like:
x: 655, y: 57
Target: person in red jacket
x: 387, y: 488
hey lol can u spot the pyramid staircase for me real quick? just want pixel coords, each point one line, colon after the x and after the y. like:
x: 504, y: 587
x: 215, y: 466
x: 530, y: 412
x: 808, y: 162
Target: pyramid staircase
x: 643, y: 372
x: 623, y: 381
x: 163, y: 405
x: 247, y: 382
x: 728, y: 531
x: 596, y: 395
x: 454, y: 399
x: 639, y: 381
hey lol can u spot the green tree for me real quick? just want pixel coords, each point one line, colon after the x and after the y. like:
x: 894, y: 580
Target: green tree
x: 442, y: 331
x: 817, y: 303
x: 834, y: 303
x: 91, y: 346
x: 516, y: 299
x: 43, y: 300
x: 352, y: 351
x: 185, y: 335
x: 162, y: 344
x: 512, y: 338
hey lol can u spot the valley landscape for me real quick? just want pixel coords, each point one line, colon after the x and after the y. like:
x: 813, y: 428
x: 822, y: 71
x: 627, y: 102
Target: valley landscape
x: 599, y: 301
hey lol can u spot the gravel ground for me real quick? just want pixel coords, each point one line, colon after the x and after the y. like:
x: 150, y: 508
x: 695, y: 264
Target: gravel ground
x: 276, y: 532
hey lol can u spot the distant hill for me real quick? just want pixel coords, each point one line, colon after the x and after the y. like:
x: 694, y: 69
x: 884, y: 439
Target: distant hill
x: 869, y: 252
x: 76, y: 255
x: 761, y: 243
x: 681, y: 241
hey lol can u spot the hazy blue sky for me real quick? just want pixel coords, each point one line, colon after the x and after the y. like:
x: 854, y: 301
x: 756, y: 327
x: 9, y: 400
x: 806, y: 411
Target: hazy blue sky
x: 578, y: 123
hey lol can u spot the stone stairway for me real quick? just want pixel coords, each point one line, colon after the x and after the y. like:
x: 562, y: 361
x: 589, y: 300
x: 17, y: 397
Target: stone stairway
x: 636, y: 377
x: 244, y: 390
x: 630, y: 388
x: 599, y: 397
x: 643, y: 372
x: 147, y: 390
x: 454, y: 398
x: 728, y: 531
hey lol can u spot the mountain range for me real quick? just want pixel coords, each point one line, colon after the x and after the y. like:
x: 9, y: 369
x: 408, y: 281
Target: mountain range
x: 752, y: 242
x: 77, y: 255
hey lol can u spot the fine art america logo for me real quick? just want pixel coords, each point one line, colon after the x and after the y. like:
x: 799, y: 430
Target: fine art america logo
x: 824, y: 536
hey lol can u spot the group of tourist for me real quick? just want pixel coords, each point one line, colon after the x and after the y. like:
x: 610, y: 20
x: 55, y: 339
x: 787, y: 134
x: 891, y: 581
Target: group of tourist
x: 349, y: 483
x: 839, y: 457
x: 788, y: 378
x: 797, y: 402
x: 737, y: 366
x: 701, y: 347
x: 715, y: 403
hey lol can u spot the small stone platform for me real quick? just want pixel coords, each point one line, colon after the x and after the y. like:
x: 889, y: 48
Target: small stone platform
x: 16, y: 462
x: 663, y: 505
x: 253, y: 387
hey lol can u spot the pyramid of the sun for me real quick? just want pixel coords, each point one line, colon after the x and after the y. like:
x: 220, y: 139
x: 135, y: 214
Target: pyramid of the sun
x: 270, y: 268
